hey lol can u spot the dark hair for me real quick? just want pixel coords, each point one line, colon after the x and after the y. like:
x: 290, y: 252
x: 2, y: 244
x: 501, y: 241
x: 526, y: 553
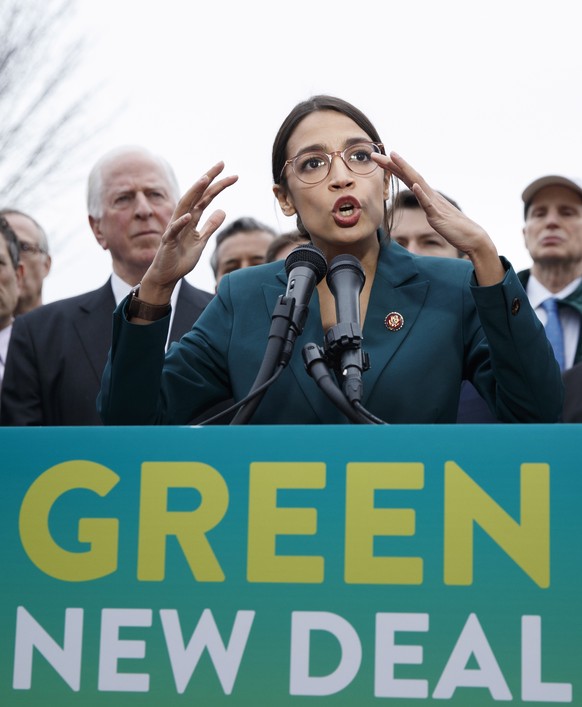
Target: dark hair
x: 285, y: 239
x: 11, y: 241
x: 301, y: 111
x: 406, y: 199
x: 245, y: 224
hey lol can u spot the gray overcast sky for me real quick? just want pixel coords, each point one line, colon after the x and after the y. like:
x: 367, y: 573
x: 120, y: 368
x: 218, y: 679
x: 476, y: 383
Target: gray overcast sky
x: 480, y: 97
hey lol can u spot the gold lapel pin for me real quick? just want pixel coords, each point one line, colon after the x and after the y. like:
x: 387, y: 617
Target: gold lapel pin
x: 394, y: 321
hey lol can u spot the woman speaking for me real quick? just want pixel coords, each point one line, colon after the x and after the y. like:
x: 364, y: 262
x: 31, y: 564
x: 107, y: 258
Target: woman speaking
x: 426, y: 323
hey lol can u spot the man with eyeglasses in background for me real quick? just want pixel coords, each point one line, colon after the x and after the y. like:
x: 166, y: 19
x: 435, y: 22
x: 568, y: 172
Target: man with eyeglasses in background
x: 34, y: 255
x: 10, y: 281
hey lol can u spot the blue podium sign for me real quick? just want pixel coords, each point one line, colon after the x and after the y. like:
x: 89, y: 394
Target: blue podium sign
x: 291, y: 565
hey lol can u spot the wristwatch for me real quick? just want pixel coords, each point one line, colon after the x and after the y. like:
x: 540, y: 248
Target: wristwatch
x: 142, y: 310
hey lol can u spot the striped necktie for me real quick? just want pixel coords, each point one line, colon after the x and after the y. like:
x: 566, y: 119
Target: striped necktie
x: 554, y: 330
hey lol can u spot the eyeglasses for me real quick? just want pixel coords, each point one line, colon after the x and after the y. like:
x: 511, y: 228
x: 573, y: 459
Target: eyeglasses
x: 313, y: 167
x: 30, y: 248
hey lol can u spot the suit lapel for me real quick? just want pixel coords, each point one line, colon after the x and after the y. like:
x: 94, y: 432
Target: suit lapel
x: 189, y: 307
x: 396, y: 289
x: 574, y: 301
x: 93, y: 322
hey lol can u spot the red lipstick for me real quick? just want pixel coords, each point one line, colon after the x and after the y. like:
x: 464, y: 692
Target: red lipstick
x: 346, y: 211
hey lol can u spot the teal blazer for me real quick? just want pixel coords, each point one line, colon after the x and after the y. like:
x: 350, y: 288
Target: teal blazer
x: 452, y: 329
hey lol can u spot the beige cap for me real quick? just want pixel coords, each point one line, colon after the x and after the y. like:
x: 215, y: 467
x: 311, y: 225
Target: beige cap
x: 551, y: 180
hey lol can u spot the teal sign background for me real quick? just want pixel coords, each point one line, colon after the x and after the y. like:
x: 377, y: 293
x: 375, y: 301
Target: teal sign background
x: 500, y: 594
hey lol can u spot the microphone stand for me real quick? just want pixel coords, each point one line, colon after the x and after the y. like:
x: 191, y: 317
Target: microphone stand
x: 280, y: 324
x: 316, y: 366
x: 339, y: 339
x: 343, y: 344
x: 305, y: 267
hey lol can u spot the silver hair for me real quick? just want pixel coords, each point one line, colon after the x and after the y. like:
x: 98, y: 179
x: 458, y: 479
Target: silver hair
x: 95, y: 180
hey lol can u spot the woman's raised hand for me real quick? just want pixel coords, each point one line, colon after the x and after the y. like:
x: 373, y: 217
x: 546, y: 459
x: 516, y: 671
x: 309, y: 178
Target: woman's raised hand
x: 453, y: 225
x: 183, y: 241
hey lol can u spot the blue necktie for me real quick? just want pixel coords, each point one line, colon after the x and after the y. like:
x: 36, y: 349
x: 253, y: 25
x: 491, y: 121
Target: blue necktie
x: 554, y: 330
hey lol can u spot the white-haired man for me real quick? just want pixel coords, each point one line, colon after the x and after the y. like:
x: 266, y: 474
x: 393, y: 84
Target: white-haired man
x: 57, y: 352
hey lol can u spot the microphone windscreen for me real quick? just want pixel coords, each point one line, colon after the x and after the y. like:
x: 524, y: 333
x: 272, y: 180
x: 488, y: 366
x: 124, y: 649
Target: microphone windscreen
x: 309, y: 255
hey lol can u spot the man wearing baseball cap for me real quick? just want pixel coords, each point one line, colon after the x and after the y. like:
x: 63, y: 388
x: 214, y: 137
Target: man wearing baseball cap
x: 553, y: 238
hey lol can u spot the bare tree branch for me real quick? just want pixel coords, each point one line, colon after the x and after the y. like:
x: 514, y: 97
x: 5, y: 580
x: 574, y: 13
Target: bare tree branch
x: 42, y: 120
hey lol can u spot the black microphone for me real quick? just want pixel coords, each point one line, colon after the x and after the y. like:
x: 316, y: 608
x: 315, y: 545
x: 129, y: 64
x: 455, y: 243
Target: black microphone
x: 346, y: 279
x: 306, y: 267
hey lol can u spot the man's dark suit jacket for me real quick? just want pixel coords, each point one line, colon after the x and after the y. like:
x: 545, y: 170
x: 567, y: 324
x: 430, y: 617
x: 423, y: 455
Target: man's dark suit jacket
x: 572, y: 411
x: 572, y: 377
x: 573, y: 300
x: 57, y: 354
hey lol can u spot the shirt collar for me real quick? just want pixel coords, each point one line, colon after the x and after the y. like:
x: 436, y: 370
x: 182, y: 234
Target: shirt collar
x: 4, y: 339
x: 537, y: 293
